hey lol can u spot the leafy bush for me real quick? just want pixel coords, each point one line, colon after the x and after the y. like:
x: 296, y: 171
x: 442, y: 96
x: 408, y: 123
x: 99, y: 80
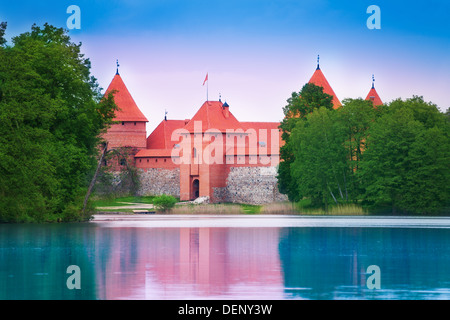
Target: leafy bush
x: 164, y: 202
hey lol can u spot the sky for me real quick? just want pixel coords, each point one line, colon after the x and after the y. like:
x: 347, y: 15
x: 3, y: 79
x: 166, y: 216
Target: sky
x: 256, y: 52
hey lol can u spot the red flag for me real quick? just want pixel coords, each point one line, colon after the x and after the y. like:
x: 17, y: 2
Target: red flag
x: 206, y: 79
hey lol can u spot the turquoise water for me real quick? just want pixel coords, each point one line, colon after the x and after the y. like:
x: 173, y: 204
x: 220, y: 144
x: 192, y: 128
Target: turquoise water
x: 135, y: 260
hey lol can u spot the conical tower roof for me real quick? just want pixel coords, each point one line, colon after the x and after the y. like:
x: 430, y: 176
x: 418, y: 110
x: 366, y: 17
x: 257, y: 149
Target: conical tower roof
x: 373, y: 95
x: 128, y: 110
x: 319, y: 79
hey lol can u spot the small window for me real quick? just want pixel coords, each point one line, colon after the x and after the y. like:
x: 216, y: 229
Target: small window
x: 123, y: 123
x: 165, y: 160
x: 135, y: 123
x: 261, y: 143
x: 147, y: 160
x: 105, y: 162
x: 156, y: 160
x: 123, y: 162
x: 140, y: 160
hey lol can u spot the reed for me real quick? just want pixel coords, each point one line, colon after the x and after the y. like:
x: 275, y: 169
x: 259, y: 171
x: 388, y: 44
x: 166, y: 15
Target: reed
x: 339, y: 210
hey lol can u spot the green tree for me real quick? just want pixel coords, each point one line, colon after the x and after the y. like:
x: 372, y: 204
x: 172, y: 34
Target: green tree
x: 405, y: 167
x: 320, y: 166
x: 2, y: 33
x: 299, y: 105
x: 356, y: 116
x: 427, y: 186
x: 51, y: 115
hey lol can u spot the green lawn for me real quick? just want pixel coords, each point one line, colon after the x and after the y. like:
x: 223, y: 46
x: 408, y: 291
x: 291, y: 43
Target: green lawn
x: 251, y: 209
x: 119, y: 201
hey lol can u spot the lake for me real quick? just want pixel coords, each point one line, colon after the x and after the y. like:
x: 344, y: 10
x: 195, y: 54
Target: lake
x: 228, y: 257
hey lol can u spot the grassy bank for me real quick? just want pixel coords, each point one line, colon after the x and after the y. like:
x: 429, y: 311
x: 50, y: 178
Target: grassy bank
x: 119, y: 205
x: 112, y: 202
x: 339, y: 210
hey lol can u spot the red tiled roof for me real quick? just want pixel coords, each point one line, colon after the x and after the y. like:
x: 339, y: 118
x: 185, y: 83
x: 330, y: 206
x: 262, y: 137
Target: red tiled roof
x: 373, y: 95
x: 319, y: 80
x: 161, y: 137
x: 128, y: 110
x: 154, y: 153
x: 212, y: 116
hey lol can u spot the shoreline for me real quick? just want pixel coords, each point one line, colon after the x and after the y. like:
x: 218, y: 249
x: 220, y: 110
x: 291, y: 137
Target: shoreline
x: 266, y: 221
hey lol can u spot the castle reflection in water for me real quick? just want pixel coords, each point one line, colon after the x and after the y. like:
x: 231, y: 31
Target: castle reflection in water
x: 137, y: 262
x: 180, y: 263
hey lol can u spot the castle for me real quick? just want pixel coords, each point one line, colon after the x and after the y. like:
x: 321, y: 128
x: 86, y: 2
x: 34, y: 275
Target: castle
x: 211, y: 155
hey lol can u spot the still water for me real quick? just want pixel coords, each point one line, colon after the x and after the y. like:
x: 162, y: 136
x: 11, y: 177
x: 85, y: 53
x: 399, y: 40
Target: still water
x: 234, y: 258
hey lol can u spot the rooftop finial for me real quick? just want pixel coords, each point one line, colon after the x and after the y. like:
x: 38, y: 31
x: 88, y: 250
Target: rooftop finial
x: 373, y: 81
x: 318, y: 58
x: 165, y: 115
x: 117, y: 64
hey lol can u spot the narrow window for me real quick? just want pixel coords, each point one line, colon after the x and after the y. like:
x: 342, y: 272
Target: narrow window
x: 123, y: 123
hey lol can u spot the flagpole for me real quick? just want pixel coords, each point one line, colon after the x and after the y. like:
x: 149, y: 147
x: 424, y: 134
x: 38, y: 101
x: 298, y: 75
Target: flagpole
x: 207, y: 86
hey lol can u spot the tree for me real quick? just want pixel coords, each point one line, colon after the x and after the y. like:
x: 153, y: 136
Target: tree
x: 320, y: 164
x: 356, y: 116
x: 299, y: 105
x: 2, y: 33
x: 405, y: 167
x: 51, y: 116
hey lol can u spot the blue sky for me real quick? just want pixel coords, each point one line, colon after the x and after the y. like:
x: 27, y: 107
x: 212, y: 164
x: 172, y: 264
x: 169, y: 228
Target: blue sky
x: 257, y: 52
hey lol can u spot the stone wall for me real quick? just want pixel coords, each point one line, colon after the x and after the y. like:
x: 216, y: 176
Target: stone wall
x: 252, y: 185
x: 157, y: 181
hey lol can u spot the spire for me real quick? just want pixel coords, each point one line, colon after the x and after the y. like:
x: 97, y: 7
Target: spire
x: 319, y: 80
x: 373, y: 95
x: 117, y: 64
x: 128, y: 109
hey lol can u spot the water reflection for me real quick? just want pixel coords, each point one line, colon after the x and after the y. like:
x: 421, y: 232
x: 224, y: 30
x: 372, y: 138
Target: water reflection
x: 189, y: 263
x: 34, y: 261
x: 331, y: 263
x: 223, y: 263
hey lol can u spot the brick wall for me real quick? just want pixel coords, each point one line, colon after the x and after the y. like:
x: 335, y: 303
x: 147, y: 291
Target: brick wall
x: 127, y: 134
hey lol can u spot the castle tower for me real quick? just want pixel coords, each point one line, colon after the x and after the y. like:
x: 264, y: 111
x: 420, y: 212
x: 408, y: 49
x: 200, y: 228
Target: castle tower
x: 319, y: 79
x: 373, y: 95
x: 130, y: 131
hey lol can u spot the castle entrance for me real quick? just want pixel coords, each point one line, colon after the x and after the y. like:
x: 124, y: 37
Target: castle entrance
x: 195, y: 189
